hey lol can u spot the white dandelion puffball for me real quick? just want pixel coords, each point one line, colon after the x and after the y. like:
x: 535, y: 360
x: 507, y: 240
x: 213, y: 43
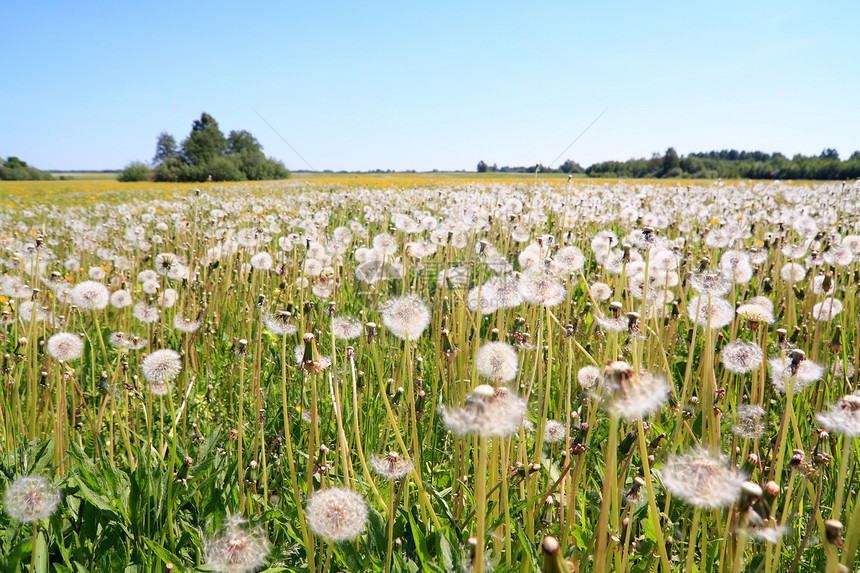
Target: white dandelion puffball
x: 497, y: 361
x: 541, y: 288
x: 554, y: 432
x: 391, y: 466
x: 488, y: 412
x: 120, y: 298
x: 346, y: 327
x: 805, y: 373
x: 90, y: 295
x: 30, y: 499
x: 643, y: 396
x: 65, y: 346
x: 843, y: 417
x: 262, y: 261
x: 161, y: 366
x: 407, y: 317
x: 717, y: 314
x: 236, y: 549
x: 740, y: 356
x: 337, y: 514
x: 702, y: 479
x: 588, y: 377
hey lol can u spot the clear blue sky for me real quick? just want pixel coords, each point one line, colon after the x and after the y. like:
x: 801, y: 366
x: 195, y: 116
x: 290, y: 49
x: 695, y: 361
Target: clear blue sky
x: 424, y: 85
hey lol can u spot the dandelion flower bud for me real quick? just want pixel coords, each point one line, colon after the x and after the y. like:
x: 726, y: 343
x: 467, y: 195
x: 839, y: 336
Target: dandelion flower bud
x: 337, y: 514
x: 65, y: 346
x: 30, y: 499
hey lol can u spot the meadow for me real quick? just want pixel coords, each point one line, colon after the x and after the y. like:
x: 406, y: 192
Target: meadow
x: 431, y: 372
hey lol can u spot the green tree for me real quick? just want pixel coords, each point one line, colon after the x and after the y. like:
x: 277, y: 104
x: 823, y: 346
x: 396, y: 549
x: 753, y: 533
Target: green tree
x: 165, y: 148
x: 482, y: 167
x: 239, y: 142
x: 205, y: 142
x: 134, y: 171
x: 570, y: 166
x: 671, y: 163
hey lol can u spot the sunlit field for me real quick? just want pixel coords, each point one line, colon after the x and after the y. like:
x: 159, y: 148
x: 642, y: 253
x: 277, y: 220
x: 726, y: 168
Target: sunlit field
x: 429, y: 372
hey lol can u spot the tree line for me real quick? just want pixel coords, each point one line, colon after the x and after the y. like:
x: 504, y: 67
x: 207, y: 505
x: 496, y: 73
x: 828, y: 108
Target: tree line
x: 13, y: 169
x: 725, y: 164
x: 207, y: 155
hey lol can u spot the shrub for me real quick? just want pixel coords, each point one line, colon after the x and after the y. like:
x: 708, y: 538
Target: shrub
x: 134, y: 171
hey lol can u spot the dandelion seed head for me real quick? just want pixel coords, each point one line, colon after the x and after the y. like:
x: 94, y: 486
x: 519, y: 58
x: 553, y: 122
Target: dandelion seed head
x: 631, y: 397
x: 588, y: 377
x: 90, y: 295
x: 601, y: 291
x: 740, y: 356
x: 145, y: 313
x: 262, y: 261
x: 710, y: 283
x: 717, y: 314
x: 702, y: 479
x: 487, y: 412
x: 541, y: 288
x: 337, y: 514
x: 497, y: 361
x: 346, y: 327
x: 120, y: 299
x: 184, y: 324
x: 279, y: 323
x: 755, y: 314
x: 236, y: 548
x: 827, y: 309
x: 407, y: 317
x: 161, y: 366
x: 806, y: 372
x: 65, y: 346
x: 843, y: 417
x: 748, y: 421
x: 792, y: 272
x: 554, y: 432
x: 391, y: 466
x: 30, y: 499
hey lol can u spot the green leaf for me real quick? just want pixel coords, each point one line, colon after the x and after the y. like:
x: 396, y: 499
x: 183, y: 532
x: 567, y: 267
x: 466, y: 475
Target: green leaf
x: 165, y: 555
x: 41, y: 549
x: 420, y: 541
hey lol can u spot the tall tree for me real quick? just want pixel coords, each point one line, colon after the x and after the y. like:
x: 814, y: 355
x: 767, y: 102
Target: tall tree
x: 205, y: 142
x: 165, y: 148
x: 670, y: 161
x: 239, y: 142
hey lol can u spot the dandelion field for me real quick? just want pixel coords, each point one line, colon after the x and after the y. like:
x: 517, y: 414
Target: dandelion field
x: 416, y: 374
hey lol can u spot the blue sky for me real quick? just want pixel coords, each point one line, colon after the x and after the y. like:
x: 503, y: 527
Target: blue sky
x: 424, y: 85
